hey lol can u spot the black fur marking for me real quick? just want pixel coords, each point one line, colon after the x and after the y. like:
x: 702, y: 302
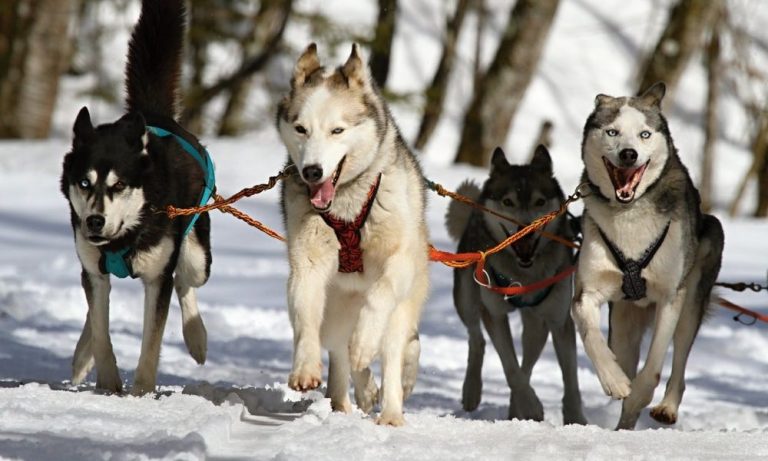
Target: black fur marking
x: 633, y: 284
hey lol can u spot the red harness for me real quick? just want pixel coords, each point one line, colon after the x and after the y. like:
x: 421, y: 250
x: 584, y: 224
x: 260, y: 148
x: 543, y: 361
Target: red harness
x: 348, y: 233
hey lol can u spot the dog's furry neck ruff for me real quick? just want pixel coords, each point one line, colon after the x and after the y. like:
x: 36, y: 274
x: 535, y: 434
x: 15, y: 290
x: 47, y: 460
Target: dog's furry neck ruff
x: 348, y: 233
x: 633, y: 284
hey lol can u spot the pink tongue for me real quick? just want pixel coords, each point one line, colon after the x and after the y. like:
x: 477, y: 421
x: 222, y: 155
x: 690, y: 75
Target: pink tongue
x: 321, y: 195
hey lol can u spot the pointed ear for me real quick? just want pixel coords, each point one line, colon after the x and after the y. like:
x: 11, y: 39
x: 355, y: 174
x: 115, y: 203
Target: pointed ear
x: 355, y: 71
x: 542, y: 160
x: 83, y: 128
x: 601, y: 99
x: 499, y: 159
x: 654, y: 95
x: 305, y: 66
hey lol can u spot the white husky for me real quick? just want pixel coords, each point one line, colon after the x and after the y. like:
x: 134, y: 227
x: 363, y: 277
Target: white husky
x: 357, y: 240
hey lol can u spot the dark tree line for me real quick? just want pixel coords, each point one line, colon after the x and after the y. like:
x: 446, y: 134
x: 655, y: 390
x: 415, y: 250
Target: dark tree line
x: 39, y: 40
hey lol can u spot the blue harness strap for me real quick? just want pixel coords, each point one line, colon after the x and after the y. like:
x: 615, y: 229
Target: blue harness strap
x: 117, y: 262
x: 204, y: 159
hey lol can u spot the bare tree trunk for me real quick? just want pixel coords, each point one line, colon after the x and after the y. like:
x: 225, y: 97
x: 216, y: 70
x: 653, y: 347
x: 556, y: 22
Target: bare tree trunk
x: 761, y: 210
x: 35, y: 50
x: 487, y: 121
x: 688, y: 20
x: 435, y: 94
x: 269, y: 21
x: 482, y: 21
x: 710, y: 124
x: 381, y: 46
x: 198, y: 97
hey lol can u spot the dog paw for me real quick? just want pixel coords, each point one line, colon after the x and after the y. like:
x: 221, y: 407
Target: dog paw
x: 614, y: 381
x: 342, y: 407
x: 305, y: 378
x: 664, y: 414
x: 390, y: 419
x: 574, y: 416
x: 525, y: 404
x: 361, y: 353
x: 196, y: 339
x: 471, y: 393
x: 109, y: 382
x: 367, y: 398
x: 141, y: 388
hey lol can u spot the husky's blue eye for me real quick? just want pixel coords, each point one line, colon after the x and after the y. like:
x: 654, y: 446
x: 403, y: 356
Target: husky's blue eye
x: 508, y: 202
x: 337, y: 130
x: 645, y: 134
x: 611, y: 132
x: 84, y: 184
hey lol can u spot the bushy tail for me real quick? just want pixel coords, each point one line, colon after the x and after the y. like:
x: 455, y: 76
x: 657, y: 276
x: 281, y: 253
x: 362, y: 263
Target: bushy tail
x: 457, y: 217
x: 154, y: 58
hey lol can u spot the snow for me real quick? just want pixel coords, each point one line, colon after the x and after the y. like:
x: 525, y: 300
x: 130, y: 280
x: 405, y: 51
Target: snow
x: 237, y: 406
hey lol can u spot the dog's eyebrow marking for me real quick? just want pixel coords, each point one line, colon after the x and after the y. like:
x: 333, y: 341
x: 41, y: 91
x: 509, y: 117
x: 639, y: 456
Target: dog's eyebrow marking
x: 92, y: 176
x: 112, y: 178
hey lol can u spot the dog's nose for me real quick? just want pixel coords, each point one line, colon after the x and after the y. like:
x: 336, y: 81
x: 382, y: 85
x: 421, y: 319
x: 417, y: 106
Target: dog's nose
x: 312, y: 173
x: 628, y: 157
x: 95, y: 223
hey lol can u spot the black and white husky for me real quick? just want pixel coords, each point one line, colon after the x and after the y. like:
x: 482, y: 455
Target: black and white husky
x: 118, y: 178
x: 524, y: 192
x: 648, y: 251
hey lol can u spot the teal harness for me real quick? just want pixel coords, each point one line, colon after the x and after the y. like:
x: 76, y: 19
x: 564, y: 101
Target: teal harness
x: 118, y: 262
x: 517, y: 301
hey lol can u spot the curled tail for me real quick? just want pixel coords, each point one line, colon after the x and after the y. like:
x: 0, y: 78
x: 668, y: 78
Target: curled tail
x: 154, y: 58
x: 457, y: 217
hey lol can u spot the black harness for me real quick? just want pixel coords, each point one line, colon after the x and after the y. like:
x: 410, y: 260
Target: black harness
x: 633, y: 284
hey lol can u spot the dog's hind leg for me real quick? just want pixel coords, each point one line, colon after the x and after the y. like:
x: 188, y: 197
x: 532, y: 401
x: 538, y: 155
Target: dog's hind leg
x: 667, y: 317
x: 97, y: 288
x: 703, y: 276
x: 157, y: 297
x: 393, y: 349
x: 564, y: 340
x: 338, y: 380
x: 195, y: 335
x: 535, y: 334
x: 523, y: 402
x: 83, y: 360
x: 192, y: 271
x: 411, y: 364
x: 366, y: 391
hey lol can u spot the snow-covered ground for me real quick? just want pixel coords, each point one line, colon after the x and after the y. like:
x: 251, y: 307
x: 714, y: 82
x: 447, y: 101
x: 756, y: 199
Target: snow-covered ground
x: 237, y: 406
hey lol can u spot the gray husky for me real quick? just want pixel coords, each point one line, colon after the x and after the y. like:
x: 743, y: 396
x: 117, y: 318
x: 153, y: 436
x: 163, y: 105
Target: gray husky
x: 523, y: 192
x: 648, y: 251
x: 356, y: 234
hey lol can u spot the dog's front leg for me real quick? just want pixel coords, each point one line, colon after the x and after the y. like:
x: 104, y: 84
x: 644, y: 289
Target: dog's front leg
x: 97, y: 288
x: 586, y: 314
x: 306, y: 304
x: 380, y: 301
x: 157, y: 297
x: 667, y: 316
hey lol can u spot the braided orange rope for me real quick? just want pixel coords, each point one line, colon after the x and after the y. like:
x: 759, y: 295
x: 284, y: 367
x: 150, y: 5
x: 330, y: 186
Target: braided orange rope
x: 443, y: 192
x: 224, y: 204
x: 462, y: 260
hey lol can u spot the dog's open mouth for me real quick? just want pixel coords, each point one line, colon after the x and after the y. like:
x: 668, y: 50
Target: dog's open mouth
x: 625, y: 180
x: 321, y: 195
x: 524, y: 248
